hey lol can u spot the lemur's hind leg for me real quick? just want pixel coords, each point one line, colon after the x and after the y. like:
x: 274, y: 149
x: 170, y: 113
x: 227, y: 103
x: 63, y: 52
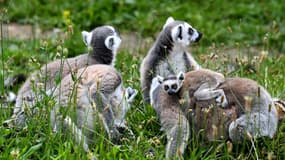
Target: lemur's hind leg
x: 208, y: 92
x: 176, y: 126
x: 255, y: 124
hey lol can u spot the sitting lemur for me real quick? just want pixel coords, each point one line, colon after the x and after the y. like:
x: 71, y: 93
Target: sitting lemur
x: 169, y: 55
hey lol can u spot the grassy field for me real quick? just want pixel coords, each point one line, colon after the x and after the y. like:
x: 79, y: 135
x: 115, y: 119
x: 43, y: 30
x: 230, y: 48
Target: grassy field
x: 240, y: 38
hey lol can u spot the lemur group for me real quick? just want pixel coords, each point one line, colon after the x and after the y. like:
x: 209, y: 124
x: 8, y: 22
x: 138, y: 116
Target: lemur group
x: 187, y: 98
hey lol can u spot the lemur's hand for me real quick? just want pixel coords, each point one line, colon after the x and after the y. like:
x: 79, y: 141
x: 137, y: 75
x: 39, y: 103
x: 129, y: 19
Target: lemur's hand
x: 130, y: 94
x: 221, y: 100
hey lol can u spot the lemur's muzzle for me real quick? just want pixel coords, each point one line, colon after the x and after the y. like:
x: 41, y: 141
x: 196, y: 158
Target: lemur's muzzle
x: 200, y: 35
x: 171, y: 92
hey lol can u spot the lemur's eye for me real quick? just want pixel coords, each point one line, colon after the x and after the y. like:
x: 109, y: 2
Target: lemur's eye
x: 166, y: 87
x: 190, y: 31
x: 174, y: 86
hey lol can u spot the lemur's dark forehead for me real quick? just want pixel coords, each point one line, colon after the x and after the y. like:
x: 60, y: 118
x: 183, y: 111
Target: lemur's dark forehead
x: 99, y: 35
x: 104, y: 31
x: 169, y: 78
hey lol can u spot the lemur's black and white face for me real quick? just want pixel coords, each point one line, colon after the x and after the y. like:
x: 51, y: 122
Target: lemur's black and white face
x: 104, y: 36
x: 182, y: 33
x: 171, y: 84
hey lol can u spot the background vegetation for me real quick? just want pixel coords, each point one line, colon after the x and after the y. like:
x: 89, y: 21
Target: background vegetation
x: 241, y: 38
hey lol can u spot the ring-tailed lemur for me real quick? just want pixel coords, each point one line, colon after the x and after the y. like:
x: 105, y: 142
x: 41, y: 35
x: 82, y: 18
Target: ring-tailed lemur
x: 104, y: 41
x: 169, y: 55
x: 97, y: 96
x: 249, y: 109
x: 168, y: 108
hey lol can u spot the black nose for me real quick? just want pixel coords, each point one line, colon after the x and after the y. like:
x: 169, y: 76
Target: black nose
x: 200, y: 35
x: 121, y: 129
x: 171, y: 92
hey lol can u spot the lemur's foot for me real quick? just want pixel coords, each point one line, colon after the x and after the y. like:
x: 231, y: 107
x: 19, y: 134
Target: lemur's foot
x: 238, y: 132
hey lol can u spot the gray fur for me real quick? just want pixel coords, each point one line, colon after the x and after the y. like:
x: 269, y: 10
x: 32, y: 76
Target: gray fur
x: 45, y: 79
x: 101, y: 53
x: 240, y: 116
x: 237, y: 120
x: 172, y: 118
x: 100, y: 98
x: 168, y: 55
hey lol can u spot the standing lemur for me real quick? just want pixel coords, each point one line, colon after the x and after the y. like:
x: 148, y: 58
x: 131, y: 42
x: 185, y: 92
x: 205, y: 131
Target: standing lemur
x: 237, y: 108
x: 96, y: 96
x: 169, y: 53
x: 104, y: 41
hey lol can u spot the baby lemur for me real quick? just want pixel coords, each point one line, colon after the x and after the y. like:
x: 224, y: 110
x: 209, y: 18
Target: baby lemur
x: 104, y: 41
x: 240, y: 105
x: 167, y: 106
x: 169, y: 55
x: 96, y: 96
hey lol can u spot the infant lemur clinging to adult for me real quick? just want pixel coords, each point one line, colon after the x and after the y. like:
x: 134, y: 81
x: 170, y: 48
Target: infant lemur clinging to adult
x: 169, y: 55
x: 240, y: 105
x: 104, y: 41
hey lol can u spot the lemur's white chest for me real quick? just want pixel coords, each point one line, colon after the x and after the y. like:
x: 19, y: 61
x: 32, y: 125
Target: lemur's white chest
x: 173, y: 63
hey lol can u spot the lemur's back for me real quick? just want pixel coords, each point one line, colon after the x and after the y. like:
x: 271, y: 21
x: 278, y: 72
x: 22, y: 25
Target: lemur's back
x: 249, y: 108
x: 238, y: 89
x: 46, y: 78
x: 97, y: 77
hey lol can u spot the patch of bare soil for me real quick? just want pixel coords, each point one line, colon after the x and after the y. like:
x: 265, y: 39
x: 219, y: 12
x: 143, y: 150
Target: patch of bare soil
x: 27, y: 32
x: 132, y: 42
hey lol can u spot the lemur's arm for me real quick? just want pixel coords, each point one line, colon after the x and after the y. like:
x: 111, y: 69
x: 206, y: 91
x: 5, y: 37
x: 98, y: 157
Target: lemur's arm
x: 208, y: 91
x: 147, y: 74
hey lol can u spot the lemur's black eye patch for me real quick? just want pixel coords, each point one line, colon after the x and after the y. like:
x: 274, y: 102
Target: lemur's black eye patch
x: 174, y: 86
x: 166, y: 87
x: 190, y: 31
x: 180, y: 32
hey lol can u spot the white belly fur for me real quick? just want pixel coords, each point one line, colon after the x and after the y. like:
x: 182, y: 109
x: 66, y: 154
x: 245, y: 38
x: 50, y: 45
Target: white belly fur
x: 173, y: 63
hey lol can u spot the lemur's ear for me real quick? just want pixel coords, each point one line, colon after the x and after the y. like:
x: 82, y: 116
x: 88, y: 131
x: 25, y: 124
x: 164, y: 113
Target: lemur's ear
x: 87, y: 36
x: 181, y: 76
x: 177, y: 32
x: 159, y: 79
x: 169, y: 20
x: 112, y: 42
x: 130, y: 94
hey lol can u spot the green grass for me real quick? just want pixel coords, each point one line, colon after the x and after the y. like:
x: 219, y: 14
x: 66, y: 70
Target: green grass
x: 235, y: 25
